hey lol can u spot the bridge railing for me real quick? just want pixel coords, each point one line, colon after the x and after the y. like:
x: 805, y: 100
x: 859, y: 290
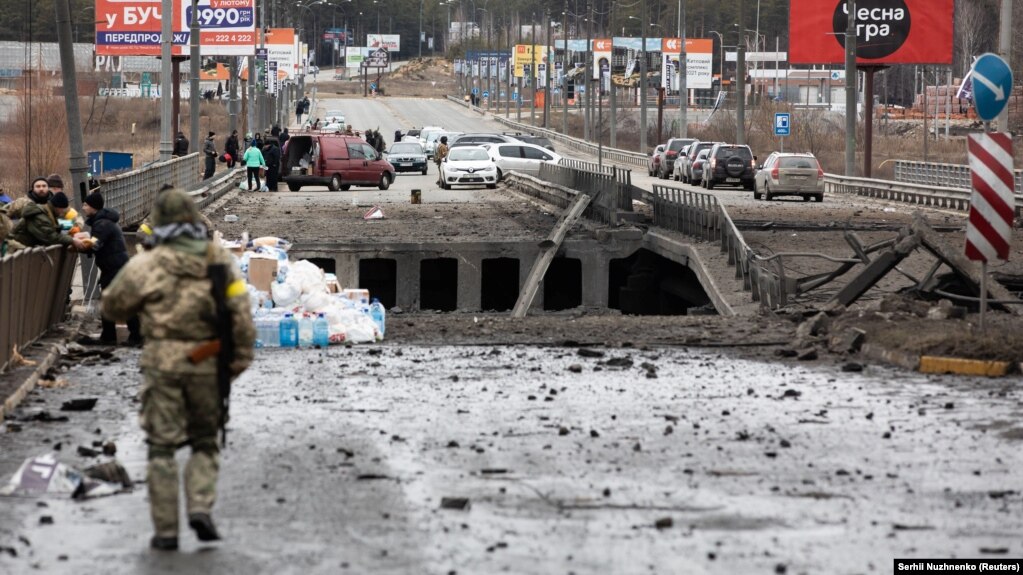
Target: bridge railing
x: 922, y: 195
x: 699, y: 215
x: 603, y: 187
x: 34, y: 288
x: 622, y: 176
x: 132, y: 194
x: 942, y: 175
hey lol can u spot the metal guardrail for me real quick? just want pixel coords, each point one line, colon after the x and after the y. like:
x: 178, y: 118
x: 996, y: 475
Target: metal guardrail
x: 700, y: 215
x: 623, y: 176
x: 615, y: 155
x: 132, y: 194
x: 943, y: 175
x: 34, y: 287
x: 922, y: 195
x: 603, y: 187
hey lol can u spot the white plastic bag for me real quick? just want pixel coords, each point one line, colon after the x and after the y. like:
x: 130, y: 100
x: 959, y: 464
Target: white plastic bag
x: 286, y: 294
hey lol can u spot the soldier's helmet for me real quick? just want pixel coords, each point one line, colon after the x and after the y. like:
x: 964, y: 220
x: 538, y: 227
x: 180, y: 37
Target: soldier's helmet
x: 174, y: 207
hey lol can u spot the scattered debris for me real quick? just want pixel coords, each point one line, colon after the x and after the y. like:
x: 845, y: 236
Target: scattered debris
x: 84, y: 404
x: 664, y: 523
x: 43, y: 474
x: 456, y: 503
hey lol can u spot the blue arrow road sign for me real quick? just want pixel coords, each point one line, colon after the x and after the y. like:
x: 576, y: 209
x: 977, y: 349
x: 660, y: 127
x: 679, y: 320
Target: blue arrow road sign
x: 992, y: 84
x: 782, y: 126
x: 486, y: 94
x: 475, y: 91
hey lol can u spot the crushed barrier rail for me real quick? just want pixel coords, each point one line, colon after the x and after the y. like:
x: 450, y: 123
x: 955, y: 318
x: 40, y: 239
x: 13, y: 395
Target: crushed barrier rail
x: 601, y: 186
x: 35, y: 284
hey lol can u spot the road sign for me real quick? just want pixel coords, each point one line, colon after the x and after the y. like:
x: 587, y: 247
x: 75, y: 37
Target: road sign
x: 475, y: 91
x: 989, y: 230
x: 782, y: 127
x: 515, y: 96
x: 992, y: 84
x: 378, y: 58
x: 486, y: 94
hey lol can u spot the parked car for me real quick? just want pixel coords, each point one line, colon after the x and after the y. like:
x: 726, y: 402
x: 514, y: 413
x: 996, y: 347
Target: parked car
x: 407, y: 157
x: 655, y: 160
x: 468, y: 165
x: 699, y: 163
x: 520, y: 157
x: 477, y: 139
x: 434, y: 138
x: 678, y: 162
x: 729, y: 164
x: 789, y: 174
x: 672, y: 149
x: 334, y: 117
x: 683, y: 166
x: 542, y: 141
x: 424, y: 133
x: 333, y: 160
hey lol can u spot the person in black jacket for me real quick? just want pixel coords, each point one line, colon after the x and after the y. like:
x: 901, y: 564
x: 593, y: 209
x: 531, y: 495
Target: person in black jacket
x: 181, y: 145
x: 111, y: 255
x: 231, y: 148
x: 272, y: 156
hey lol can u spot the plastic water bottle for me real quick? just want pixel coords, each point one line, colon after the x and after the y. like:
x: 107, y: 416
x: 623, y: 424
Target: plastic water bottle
x: 289, y: 331
x: 273, y: 331
x: 260, y: 324
x: 305, y: 331
x: 321, y: 332
x: 378, y: 314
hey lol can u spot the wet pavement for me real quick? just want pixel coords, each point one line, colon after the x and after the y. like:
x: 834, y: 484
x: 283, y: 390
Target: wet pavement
x: 610, y: 460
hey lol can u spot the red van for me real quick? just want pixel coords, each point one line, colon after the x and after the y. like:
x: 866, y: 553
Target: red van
x: 333, y: 160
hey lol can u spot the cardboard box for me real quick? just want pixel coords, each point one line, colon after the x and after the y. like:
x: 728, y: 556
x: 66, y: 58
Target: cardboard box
x: 262, y: 272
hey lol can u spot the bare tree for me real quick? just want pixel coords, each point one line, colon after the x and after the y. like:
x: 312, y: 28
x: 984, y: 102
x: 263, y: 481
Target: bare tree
x: 974, y: 24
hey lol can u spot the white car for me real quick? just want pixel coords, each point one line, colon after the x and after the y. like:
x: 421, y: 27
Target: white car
x: 468, y: 165
x: 520, y: 157
x: 334, y: 117
x: 424, y: 134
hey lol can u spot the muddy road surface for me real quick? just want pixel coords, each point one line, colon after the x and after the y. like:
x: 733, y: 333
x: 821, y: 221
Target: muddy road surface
x: 607, y: 459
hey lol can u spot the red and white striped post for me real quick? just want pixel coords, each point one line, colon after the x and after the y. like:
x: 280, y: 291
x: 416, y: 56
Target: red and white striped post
x: 989, y: 230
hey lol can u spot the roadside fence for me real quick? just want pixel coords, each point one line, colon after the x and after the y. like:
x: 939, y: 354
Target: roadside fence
x: 919, y: 194
x: 35, y: 284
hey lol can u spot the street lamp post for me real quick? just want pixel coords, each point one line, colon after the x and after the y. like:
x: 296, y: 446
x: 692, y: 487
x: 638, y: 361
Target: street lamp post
x: 683, y: 87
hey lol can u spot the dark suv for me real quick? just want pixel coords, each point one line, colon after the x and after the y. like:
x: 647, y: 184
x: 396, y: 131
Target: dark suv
x: 729, y: 164
x: 672, y: 149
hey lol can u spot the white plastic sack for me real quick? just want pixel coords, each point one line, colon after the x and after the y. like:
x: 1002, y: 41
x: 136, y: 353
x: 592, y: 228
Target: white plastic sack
x: 359, y: 327
x: 286, y: 294
x: 270, y: 242
x: 316, y: 302
x: 309, y: 276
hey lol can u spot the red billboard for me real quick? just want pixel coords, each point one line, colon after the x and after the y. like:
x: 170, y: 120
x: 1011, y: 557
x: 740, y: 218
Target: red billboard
x: 887, y: 31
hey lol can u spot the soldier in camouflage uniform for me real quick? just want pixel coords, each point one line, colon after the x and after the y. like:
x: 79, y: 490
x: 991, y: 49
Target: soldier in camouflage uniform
x: 168, y: 287
x: 146, y: 227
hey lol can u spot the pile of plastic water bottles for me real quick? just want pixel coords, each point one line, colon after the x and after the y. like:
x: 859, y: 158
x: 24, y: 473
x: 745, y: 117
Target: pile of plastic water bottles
x: 297, y: 329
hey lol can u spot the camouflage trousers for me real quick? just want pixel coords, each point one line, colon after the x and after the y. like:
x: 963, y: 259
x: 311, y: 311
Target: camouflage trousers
x: 179, y: 410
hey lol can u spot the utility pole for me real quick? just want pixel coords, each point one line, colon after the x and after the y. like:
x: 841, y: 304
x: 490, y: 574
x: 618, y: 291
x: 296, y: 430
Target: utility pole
x: 79, y: 163
x: 548, y: 62
x: 420, y: 29
x: 564, y: 71
x: 166, y: 71
x: 740, y: 79
x: 642, y: 80
x: 533, y: 72
x: 683, y: 88
x: 1005, y: 51
x: 850, y: 91
x: 232, y: 91
x: 587, y: 75
x: 193, y: 81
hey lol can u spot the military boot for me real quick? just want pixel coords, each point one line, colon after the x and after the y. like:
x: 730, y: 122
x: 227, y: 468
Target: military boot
x: 202, y: 523
x: 164, y: 543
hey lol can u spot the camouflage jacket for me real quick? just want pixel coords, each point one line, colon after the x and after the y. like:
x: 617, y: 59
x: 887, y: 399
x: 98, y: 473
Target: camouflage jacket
x: 169, y: 290
x: 38, y: 227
